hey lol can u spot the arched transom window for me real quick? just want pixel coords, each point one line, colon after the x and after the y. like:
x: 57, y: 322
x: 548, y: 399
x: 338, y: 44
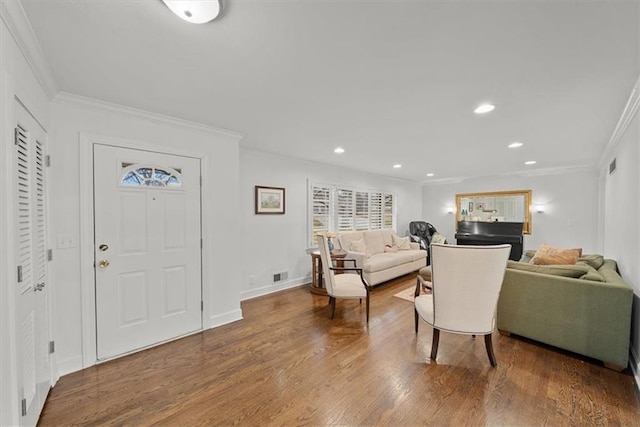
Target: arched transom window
x: 150, y: 176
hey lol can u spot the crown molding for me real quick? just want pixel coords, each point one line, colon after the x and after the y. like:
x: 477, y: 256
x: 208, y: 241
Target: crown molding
x: 77, y: 100
x: 627, y: 116
x: 15, y: 18
x: 534, y: 172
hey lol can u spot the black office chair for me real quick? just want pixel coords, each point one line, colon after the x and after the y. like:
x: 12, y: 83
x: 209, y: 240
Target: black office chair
x: 421, y: 232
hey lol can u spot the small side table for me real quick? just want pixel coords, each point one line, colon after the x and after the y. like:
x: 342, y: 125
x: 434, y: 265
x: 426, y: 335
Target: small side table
x: 317, y: 285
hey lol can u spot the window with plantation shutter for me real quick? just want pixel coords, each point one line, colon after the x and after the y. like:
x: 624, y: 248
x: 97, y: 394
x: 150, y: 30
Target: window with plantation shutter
x: 340, y: 208
x: 321, y: 208
x: 375, y: 211
x: 389, y: 211
x: 24, y: 214
x: 345, y: 207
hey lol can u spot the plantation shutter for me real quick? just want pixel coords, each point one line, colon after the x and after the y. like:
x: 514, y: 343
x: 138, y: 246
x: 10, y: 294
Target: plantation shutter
x: 322, y: 210
x: 25, y: 225
x: 40, y: 253
x: 375, y: 211
x: 362, y: 211
x: 346, y: 210
x: 388, y: 211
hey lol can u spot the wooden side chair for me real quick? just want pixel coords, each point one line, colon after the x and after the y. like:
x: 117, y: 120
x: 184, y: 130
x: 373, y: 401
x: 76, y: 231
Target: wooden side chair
x: 349, y: 286
x: 465, y: 286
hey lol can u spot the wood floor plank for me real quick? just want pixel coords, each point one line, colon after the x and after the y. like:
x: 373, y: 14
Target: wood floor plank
x: 287, y: 363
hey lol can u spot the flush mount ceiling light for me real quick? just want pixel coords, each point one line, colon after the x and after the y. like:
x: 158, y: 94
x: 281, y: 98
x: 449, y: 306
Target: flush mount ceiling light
x: 397, y: 166
x: 339, y: 150
x: 515, y: 145
x: 430, y: 174
x: 484, y: 108
x: 530, y: 162
x: 195, y: 11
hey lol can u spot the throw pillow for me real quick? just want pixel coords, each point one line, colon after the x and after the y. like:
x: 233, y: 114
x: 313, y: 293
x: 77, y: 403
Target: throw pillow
x: 592, y: 274
x: 438, y: 238
x: 551, y: 255
x: 390, y: 248
x: 359, y: 246
x: 574, y: 271
x: 593, y: 260
x: 402, y: 243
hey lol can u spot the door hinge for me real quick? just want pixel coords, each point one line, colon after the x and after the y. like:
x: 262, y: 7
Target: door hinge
x: 201, y: 305
x: 15, y: 136
x: 200, y: 180
x: 201, y: 243
x: 19, y: 274
x: 47, y: 160
x: 24, y: 407
x: 49, y: 254
x: 52, y: 347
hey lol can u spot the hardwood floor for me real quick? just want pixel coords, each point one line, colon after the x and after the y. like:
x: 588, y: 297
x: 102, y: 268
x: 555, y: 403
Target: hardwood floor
x: 287, y: 364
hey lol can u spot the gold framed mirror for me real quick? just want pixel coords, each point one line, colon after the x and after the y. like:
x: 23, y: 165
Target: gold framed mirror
x: 508, y: 206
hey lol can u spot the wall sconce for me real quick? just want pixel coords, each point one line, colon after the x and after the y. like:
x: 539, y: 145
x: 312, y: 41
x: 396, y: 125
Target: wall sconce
x: 450, y: 209
x: 195, y: 11
x: 539, y: 208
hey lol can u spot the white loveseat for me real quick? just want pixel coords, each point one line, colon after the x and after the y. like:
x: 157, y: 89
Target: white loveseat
x: 378, y: 265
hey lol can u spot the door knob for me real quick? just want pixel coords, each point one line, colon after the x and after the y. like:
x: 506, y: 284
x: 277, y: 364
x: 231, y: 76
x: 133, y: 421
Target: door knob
x: 103, y: 263
x: 39, y: 287
x: 103, y: 247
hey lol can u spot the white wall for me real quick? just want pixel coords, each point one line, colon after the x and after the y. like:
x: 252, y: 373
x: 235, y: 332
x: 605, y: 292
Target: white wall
x: 17, y: 81
x: 221, y: 223
x: 278, y: 243
x: 621, y: 228
x: 571, y: 212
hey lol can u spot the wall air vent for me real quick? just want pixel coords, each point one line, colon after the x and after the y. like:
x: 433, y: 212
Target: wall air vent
x: 612, y: 166
x: 280, y: 276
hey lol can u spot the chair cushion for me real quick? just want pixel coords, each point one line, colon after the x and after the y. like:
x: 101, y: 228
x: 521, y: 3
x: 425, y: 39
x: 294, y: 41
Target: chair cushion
x: 424, y: 307
x: 348, y: 286
x: 438, y: 238
x: 425, y: 273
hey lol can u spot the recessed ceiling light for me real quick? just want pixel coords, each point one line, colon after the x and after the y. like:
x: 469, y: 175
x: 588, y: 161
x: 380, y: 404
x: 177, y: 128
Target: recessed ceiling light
x: 195, y: 11
x: 339, y: 150
x: 530, y: 162
x: 397, y: 166
x: 484, y: 108
x: 430, y: 174
x: 515, y: 145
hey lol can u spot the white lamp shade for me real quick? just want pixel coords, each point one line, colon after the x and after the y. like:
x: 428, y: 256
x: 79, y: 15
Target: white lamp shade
x: 195, y: 11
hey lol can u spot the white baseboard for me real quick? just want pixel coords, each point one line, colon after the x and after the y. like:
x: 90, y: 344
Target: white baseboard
x: 224, y: 318
x: 265, y: 290
x: 635, y: 366
x: 69, y: 365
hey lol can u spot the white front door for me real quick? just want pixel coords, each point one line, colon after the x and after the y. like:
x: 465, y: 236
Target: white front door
x: 34, y: 378
x: 147, y: 248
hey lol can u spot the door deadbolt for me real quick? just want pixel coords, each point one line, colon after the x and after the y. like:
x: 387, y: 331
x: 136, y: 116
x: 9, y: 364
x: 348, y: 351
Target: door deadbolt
x: 103, y: 247
x: 103, y: 263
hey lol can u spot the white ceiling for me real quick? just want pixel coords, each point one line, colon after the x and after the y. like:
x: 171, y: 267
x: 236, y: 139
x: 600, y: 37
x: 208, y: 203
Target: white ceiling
x: 390, y: 81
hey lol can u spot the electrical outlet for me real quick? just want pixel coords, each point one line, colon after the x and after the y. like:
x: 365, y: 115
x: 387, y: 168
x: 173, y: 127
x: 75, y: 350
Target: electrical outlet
x: 66, y: 241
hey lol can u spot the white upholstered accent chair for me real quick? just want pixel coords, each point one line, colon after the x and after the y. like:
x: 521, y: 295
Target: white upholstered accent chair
x: 465, y: 285
x: 349, y: 285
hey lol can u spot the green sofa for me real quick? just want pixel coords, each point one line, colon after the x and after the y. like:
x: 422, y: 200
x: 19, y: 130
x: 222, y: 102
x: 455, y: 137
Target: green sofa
x: 584, y: 308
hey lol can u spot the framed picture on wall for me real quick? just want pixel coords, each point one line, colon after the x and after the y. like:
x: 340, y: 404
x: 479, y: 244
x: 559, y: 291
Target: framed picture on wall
x: 269, y: 200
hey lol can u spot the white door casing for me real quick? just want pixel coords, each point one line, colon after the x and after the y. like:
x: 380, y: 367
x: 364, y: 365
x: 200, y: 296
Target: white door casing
x: 147, y: 219
x: 32, y: 327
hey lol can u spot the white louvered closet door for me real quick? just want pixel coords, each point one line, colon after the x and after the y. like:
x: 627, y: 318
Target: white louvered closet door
x: 31, y: 277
